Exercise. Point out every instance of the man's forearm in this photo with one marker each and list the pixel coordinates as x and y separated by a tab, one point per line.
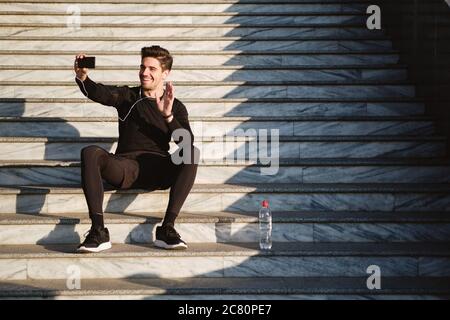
106	95
81	82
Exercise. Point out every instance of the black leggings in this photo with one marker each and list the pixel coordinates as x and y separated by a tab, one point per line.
149	171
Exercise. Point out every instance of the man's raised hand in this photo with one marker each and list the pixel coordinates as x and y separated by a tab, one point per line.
165	104
81	73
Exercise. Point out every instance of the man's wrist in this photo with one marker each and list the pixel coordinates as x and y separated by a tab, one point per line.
166	116
82	78
169	118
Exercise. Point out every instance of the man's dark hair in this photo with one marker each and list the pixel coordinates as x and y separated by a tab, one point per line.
159	53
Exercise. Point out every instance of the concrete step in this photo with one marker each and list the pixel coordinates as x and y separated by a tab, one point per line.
237	148
68	173
242	198
219	108
195	44
232	19
230	126
196	58
178	32
231	90
226	227
185	7
205	260
387	73
231	288
235	220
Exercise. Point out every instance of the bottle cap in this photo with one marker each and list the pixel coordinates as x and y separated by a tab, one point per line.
265	204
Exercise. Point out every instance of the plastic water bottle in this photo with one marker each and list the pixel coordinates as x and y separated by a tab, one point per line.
265	226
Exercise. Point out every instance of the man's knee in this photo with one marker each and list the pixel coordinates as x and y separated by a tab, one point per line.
90	154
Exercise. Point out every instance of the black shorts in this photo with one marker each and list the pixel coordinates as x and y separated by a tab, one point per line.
145	171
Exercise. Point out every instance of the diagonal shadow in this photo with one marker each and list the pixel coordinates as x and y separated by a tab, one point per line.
35	200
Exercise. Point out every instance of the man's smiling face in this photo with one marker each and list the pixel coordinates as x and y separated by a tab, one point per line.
151	73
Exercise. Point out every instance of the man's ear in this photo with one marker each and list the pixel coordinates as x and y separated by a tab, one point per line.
165	74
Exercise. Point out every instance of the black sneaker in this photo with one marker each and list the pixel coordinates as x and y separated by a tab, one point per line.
168	238
96	241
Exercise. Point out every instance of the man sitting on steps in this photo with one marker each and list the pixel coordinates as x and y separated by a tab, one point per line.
148	115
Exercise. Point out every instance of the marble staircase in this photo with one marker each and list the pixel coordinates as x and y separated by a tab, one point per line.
363	178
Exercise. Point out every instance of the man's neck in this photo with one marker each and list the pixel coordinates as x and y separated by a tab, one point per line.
152	93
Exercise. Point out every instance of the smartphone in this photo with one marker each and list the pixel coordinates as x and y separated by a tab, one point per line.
87	62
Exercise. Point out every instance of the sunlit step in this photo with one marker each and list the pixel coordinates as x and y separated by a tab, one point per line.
331	73
14	173
205	18
197	44
134	32
229	90
214	58
204	126
16	148
309	227
218	108
206	260
231	288
238	198
184	7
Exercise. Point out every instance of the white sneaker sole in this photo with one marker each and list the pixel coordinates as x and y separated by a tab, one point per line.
104	246
162	244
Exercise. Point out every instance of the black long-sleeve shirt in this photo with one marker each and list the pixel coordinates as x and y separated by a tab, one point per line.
142	127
